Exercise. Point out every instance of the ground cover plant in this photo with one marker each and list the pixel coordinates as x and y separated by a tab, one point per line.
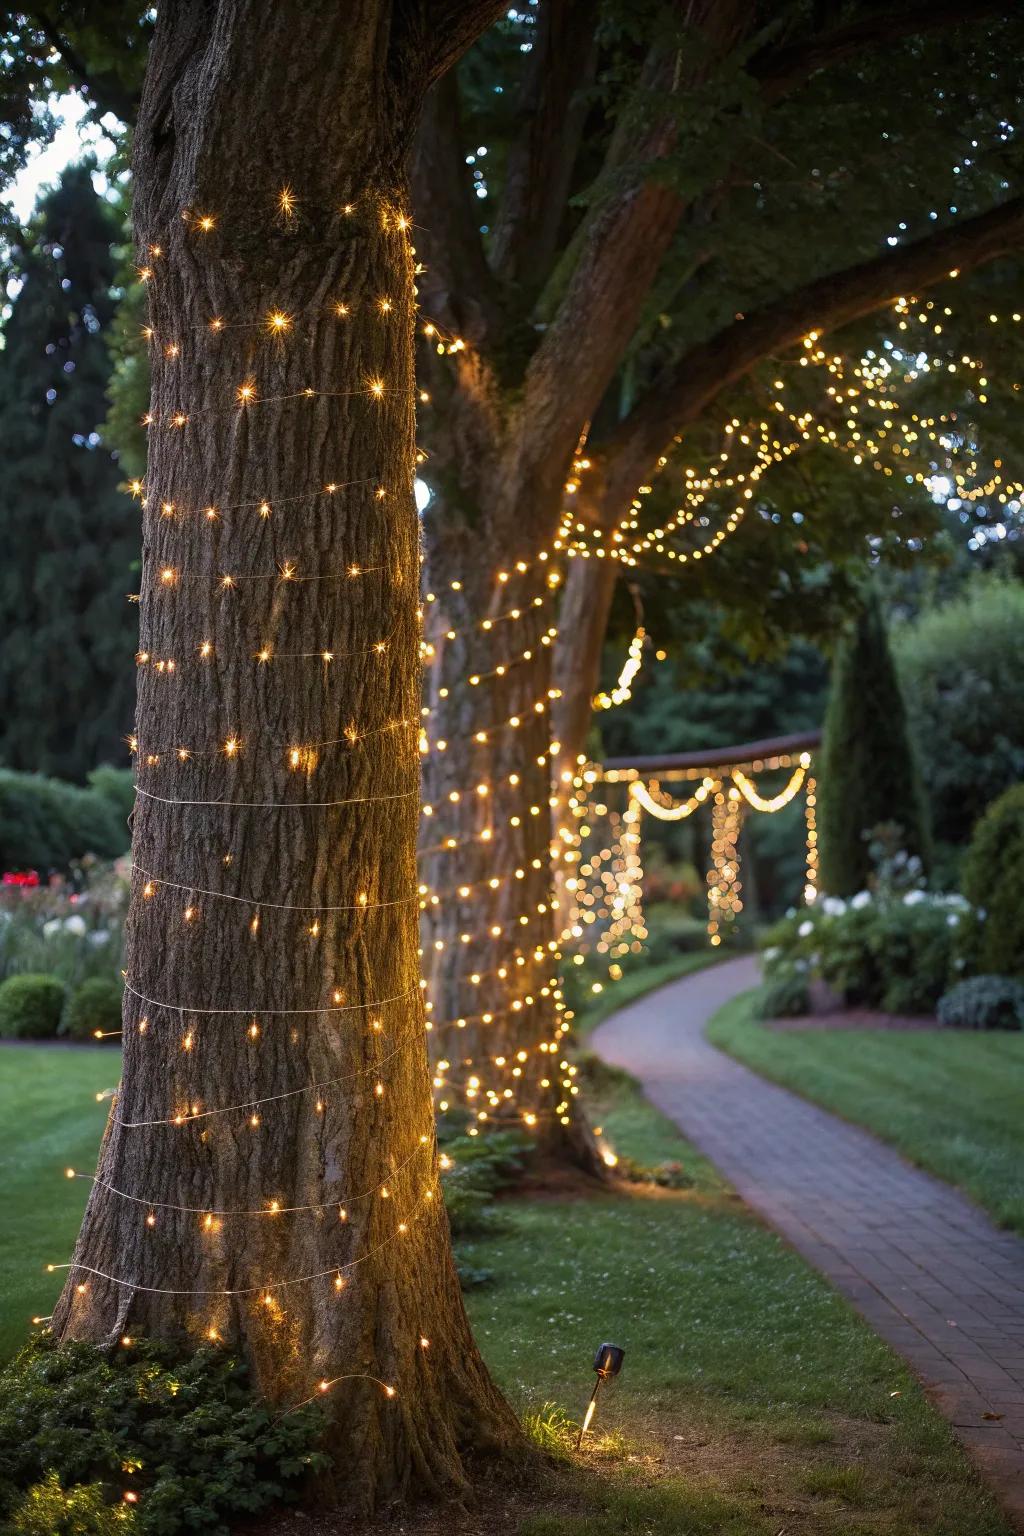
948	1099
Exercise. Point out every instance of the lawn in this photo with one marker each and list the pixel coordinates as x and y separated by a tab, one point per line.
949	1100
752	1398
49	1120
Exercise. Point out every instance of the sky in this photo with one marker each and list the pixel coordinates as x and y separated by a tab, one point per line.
71	142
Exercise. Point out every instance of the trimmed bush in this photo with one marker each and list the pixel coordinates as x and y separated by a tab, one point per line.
47	824
983	1002
188	1435
960	665
993	882
30	1007
116	785
94	1005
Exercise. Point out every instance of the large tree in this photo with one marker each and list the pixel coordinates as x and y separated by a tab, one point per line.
718	188
70	553
664	202
268	1176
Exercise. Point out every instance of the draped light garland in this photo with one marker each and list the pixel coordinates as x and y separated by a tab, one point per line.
600	925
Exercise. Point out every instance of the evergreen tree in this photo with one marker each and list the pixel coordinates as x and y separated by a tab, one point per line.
71	546
869	773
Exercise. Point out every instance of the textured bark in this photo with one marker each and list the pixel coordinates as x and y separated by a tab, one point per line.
491	923
256	976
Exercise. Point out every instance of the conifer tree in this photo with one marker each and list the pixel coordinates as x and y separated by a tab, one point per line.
869	773
71	549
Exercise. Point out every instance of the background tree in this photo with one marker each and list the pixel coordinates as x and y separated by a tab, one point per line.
268	1174
71	550
869	772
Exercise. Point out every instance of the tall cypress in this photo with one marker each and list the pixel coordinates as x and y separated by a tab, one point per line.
71	544
869	773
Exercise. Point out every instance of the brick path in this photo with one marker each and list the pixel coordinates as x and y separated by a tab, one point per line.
925	1267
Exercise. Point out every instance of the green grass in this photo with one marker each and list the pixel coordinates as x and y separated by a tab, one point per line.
950	1100
752	1398
49	1120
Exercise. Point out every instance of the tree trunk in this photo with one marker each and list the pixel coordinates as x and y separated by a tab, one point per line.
491	923
268	1177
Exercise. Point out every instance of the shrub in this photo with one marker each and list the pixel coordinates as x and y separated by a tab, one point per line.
30	1006
983	1002
960	665
116	785
46	824
83	1510
95	1005
475	1169
890	950
784	996
993	882
201	1447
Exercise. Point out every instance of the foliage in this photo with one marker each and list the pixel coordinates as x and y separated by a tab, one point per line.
868	770
993	881
784	995
71	545
983	1002
960	666
47	824
94	1006
188	1435
884	949
116	785
474	1170
47	1509
30	1006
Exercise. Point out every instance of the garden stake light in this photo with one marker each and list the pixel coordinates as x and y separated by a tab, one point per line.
607	1362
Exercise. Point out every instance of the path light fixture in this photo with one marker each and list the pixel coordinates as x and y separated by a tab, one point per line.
607	1362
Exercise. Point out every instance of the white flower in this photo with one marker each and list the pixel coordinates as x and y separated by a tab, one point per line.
953	919
772	953
806	928
74	924
99	936
862	899
51	927
914	898
833	906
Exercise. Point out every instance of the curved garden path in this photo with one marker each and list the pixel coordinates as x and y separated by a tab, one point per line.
927	1269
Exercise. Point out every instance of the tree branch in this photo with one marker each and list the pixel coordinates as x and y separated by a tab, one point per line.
779	69
627	237
541	158
452	26
680	392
